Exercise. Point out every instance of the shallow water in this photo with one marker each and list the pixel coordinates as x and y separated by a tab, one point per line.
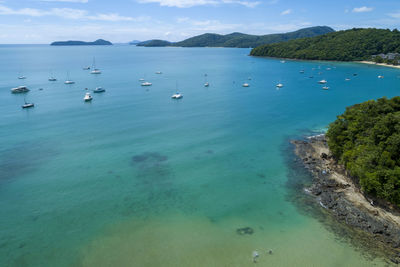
135	178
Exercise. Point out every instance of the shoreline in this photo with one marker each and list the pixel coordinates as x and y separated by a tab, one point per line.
377	64
335	192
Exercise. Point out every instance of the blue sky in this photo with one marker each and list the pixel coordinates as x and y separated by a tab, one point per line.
43	21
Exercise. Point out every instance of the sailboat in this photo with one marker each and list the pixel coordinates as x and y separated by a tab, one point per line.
68	81
27	105
21	77
95	71
177	95
52	78
206	84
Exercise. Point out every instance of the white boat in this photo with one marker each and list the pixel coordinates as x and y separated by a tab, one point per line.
28	105
347	79
177	96
279	85
19	89
141	80
302	71
246	85
87	97
68	80
99	90
158	72
146	84
325	88
95	71
322	81
206	84
283	61
380	77
22	77
52	79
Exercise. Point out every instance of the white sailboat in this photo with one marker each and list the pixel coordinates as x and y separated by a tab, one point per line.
68	80
52	78
95	70
279	85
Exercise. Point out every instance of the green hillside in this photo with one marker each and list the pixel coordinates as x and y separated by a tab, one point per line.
349	45
240	39
366	139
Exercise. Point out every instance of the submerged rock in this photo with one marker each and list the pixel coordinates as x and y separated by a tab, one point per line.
245	231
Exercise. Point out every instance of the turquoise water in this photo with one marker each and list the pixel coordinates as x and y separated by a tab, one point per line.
136	179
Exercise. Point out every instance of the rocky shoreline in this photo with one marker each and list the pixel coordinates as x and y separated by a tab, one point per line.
334	190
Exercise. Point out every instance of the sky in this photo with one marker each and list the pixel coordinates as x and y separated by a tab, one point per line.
44	21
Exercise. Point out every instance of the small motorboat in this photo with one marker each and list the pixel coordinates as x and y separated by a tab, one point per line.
322	82
28	105
19	89
302	71
347	79
52	79
177	96
380	77
158	72
325	88
146	84
87	97
246	85
22	77
99	90
69	82
206	84
141	80
279	85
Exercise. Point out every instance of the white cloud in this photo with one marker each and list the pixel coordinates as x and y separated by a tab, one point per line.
362	9
191	3
286	12
67	13
395	15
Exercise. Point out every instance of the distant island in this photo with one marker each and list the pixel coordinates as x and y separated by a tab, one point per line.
135	42
348	45
97	42
239	40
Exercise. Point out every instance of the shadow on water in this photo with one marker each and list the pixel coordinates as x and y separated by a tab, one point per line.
154	180
23	158
299	178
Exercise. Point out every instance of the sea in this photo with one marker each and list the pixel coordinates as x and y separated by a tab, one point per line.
135	178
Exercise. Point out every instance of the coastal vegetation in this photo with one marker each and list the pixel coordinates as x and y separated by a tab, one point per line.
97	42
349	45
366	140
240	40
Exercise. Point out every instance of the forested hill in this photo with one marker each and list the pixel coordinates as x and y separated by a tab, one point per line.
97	42
348	45
366	139
243	40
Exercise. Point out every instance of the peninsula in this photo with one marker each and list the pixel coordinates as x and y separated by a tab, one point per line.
349	45
356	170
67	43
240	40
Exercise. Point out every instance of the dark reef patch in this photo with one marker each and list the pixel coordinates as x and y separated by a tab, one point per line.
245	231
154	157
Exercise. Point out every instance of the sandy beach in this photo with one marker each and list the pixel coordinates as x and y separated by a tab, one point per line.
378	64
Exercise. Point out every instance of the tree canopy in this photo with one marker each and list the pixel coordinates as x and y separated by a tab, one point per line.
348	45
366	139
